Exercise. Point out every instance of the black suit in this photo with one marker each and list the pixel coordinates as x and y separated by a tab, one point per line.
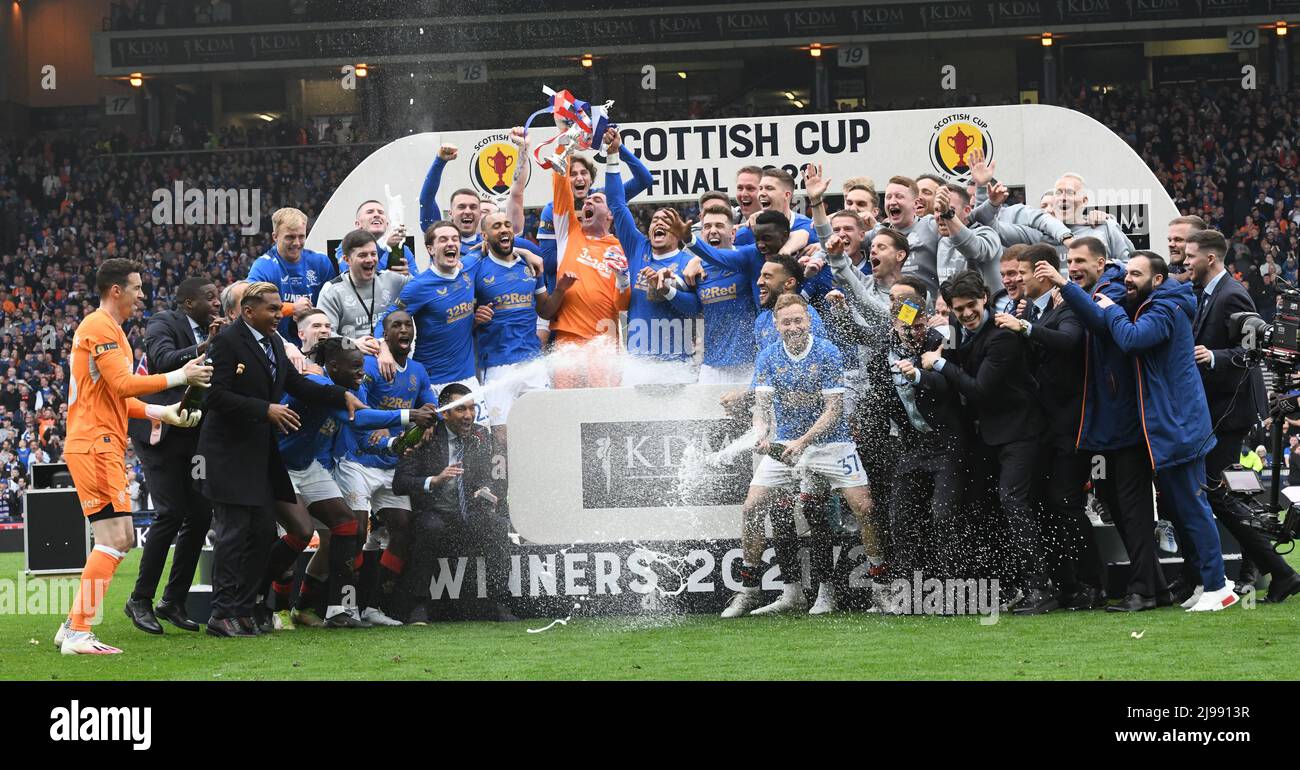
930	535
991	370
182	512
1056	350
243	471
439	527
1231	389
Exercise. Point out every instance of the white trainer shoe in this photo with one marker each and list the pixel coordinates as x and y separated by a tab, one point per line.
85	643
1213	601
825	600
743	602
63	632
1194	598
376	616
792	600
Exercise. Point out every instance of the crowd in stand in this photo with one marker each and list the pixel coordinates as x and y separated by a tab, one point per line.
67	202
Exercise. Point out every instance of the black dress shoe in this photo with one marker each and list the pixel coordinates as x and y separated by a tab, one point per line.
1133	603
249	625
142	616
262	618
1037	601
1166	599
1086	597
175	614
1279	590
1247	577
1182	590
345	620
226	627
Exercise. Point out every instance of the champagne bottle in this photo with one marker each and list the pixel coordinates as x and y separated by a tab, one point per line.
409	438
193	397
396	257
774	450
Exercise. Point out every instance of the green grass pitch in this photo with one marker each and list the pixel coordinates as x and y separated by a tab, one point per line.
1238	643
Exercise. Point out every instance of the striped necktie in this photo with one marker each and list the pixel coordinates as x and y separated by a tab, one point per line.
270	353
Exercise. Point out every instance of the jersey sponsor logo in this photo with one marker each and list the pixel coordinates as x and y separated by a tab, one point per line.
718	293
952	141
441	292
512	300
107	346
489	279
457	312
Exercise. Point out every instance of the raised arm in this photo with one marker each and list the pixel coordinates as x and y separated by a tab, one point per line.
641	178
625	229
429	209
523	170
1151	328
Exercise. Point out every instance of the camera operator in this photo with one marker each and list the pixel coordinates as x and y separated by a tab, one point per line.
1230	391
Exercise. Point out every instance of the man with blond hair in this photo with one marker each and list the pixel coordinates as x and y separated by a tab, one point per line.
296	271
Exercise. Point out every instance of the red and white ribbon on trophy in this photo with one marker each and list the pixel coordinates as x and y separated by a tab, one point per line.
580	123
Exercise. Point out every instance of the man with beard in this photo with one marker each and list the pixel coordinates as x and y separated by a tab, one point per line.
660	319
775	193
1109	424
511	296
353	300
441	300
373	220
1155	326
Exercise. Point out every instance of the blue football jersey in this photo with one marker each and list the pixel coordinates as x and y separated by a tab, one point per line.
799	386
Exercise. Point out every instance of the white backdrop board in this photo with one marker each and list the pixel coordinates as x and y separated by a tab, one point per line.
614	464
1031	145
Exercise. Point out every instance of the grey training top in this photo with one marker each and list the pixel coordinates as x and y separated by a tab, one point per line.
353	309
